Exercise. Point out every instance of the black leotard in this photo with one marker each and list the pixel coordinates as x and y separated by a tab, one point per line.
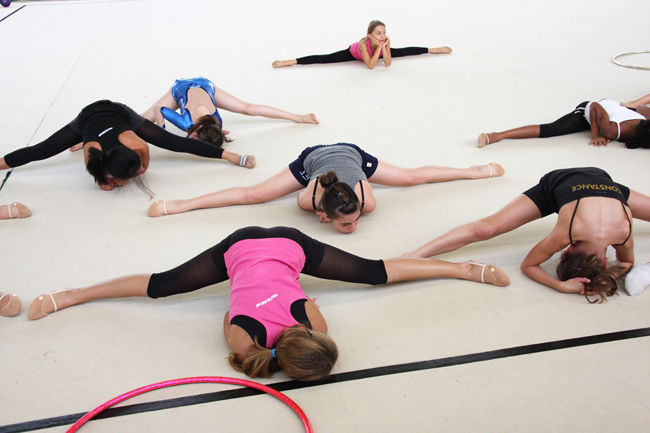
103	121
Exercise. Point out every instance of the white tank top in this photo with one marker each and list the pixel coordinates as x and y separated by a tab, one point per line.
616	112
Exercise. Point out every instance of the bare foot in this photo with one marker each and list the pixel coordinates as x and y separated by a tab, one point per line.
487	274
440	50
76	147
284	63
308	118
14	210
42	306
9	305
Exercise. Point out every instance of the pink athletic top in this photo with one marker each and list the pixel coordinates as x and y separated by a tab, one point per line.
264	281
356	51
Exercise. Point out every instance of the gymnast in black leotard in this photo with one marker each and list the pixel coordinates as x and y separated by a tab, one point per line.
271	325
115	144
594	212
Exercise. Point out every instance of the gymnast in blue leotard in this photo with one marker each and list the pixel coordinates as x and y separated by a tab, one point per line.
198	101
179	92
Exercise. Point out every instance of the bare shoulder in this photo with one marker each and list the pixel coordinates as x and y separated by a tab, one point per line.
239	341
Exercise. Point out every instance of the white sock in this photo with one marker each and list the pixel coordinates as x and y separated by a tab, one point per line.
638	279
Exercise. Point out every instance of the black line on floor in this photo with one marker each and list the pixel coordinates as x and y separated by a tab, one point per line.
335	378
4	18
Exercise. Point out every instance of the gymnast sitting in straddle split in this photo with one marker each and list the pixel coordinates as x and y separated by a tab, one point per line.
271	325
115	144
198	101
333	178
13	211
594	212
372	47
606	119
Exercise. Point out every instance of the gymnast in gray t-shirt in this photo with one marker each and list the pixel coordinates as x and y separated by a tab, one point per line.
335	182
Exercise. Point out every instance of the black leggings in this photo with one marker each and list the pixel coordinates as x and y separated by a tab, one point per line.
321	260
567	124
346	56
68	136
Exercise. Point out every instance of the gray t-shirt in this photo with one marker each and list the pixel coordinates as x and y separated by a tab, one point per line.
344	160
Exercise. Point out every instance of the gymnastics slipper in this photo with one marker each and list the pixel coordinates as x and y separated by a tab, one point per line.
12	307
638	279
496	275
17	210
37	309
156	211
483	140
495	169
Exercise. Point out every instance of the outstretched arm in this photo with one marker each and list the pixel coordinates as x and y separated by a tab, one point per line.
166	140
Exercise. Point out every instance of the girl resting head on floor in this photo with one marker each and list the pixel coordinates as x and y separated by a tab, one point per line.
198	101
271	324
334	182
115	145
594	213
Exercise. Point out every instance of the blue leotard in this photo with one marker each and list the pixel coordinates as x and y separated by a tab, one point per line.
183	120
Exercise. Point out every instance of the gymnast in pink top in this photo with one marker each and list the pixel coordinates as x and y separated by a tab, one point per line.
369	49
271	325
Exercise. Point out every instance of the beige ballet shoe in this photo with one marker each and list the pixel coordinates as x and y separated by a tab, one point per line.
483	140
17	210
77	147
442	50
490	274
282	63
495	170
12	307
37	309
155	210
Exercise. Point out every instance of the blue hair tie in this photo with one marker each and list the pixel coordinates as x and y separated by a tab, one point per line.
273	353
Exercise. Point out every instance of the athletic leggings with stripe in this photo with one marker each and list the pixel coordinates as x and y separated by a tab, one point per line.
321	260
567	124
346	56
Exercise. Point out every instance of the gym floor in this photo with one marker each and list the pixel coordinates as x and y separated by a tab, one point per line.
422	356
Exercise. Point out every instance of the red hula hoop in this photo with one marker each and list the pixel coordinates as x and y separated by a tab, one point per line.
201	379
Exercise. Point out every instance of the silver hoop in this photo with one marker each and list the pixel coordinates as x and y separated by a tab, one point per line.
644	68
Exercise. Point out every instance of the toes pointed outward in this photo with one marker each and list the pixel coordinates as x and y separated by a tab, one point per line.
14	210
283	63
483	140
496	170
157	209
42	306
488	274
9	305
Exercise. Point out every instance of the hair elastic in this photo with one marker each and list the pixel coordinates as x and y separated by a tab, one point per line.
243	160
273	353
